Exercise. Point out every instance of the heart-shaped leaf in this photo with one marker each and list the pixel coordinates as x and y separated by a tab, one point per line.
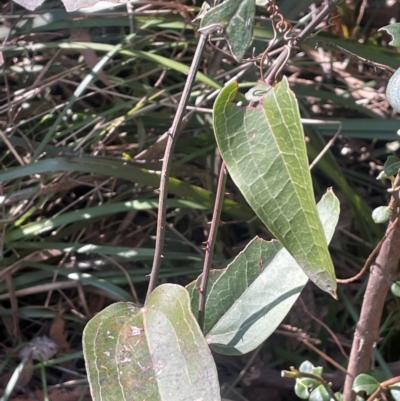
236	19
249	299
264	150
152	353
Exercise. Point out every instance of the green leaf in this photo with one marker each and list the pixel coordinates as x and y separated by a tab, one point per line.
364	382
381	214
395	289
321	393
249	299
310	383
301	390
236	18
264	150
152	353
394	31
339	396
391	166
308	367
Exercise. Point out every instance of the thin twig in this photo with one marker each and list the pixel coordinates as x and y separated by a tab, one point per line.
390	382
212	236
370	257
243	371
127	276
11	148
326	327
383	386
323	355
326	148
167	161
360	59
374	395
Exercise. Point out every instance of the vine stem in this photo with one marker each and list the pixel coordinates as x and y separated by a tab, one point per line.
383	386
370	257
212	236
167	161
382	275
284	56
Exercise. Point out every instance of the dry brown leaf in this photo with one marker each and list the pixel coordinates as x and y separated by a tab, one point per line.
57	333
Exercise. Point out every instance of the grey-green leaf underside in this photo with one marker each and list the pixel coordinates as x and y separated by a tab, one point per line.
249	299
264	150
156	353
236	19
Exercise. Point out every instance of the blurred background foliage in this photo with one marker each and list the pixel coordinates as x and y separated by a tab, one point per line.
80	162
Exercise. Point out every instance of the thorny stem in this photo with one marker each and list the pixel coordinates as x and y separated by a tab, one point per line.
167	161
270	77
212	236
382	275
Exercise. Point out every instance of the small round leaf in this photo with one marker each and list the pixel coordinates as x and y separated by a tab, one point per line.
308	382
395	288
321	393
301	390
364	382
339	396
306	367
381	214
